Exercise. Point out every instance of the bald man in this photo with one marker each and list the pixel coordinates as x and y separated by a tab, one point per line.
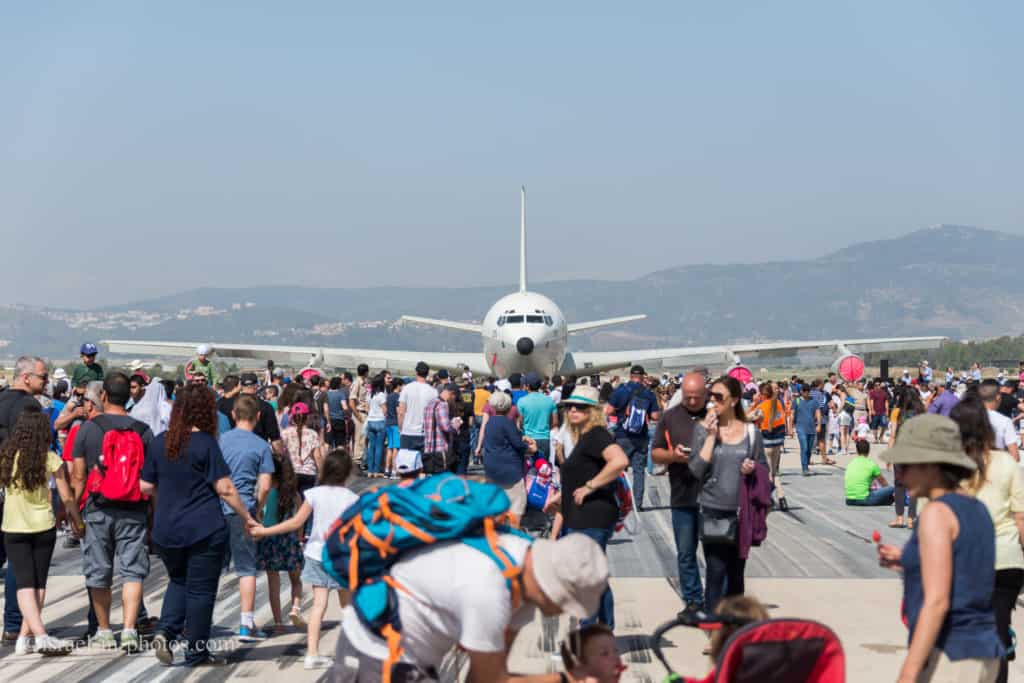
673	441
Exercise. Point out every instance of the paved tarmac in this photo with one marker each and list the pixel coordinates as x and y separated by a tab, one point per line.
818	562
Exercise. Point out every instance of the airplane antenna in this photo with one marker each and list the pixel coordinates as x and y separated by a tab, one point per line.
522	241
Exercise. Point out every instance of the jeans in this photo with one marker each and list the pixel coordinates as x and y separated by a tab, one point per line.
806	448
193	574
474	432
724	573
606	612
12	615
636	450
375	432
462	450
686	526
881	496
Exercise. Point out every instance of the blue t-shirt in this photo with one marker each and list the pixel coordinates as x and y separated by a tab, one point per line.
223	423
536	409
518	394
337	402
187	506
803	415
391	416
620	400
504	451
247	456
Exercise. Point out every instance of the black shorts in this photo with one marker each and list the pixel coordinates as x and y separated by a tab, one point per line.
28	556
411	443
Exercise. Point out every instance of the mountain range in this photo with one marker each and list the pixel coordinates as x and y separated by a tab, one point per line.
949	280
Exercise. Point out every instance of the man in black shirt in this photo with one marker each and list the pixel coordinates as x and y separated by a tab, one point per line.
266	426
672	445
226	403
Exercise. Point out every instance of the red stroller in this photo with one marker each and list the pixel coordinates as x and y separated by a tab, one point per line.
772	651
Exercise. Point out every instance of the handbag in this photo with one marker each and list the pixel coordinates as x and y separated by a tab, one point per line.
719	528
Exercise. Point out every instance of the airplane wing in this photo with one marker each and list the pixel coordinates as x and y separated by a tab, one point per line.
449	324
594	324
396	361
585	362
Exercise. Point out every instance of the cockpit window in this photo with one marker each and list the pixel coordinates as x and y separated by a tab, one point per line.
501	321
548	321
538	319
513	319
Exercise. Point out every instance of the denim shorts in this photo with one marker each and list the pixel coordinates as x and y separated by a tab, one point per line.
394	437
314	574
243	548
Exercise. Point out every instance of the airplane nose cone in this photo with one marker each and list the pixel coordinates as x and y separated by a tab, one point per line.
524	346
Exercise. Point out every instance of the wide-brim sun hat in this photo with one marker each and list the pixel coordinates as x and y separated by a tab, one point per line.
572	572
583	396
929	440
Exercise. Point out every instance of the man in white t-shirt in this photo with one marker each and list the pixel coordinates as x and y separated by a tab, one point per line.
411	403
1006	435
455	595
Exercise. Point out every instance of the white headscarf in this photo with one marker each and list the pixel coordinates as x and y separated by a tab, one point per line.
150	408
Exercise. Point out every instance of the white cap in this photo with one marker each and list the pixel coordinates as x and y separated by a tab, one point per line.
203	350
572	572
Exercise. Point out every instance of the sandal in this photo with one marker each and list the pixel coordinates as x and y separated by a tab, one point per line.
897	525
910	524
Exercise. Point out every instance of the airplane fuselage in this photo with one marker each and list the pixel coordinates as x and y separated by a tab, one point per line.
524	332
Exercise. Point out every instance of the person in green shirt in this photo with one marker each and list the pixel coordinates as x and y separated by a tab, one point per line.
201	366
89	370
860	473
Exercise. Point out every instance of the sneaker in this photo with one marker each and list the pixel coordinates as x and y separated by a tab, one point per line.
317	662
130	641
104	640
147	625
211	660
23	645
250	634
162	649
48	646
693	614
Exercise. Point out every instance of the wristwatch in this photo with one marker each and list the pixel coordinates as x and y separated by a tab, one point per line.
587	485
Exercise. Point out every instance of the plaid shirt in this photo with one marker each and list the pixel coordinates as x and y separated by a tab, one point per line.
437	428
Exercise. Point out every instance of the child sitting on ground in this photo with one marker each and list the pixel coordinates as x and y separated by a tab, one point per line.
590	653
738	607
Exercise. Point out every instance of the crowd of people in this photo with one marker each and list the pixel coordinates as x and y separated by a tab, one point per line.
251	470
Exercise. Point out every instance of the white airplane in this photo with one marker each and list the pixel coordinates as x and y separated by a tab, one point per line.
527	332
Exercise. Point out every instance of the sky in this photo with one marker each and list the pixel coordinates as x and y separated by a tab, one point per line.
149	148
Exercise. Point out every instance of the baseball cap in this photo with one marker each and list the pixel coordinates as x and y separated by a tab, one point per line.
532	380
299	409
407	461
88	349
572	572
442	374
203	350
929	439
141	375
59	374
637	370
248	379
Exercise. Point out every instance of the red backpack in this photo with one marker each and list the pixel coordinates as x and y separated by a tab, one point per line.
116	477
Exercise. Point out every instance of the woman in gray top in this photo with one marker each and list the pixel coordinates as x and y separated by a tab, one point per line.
726	449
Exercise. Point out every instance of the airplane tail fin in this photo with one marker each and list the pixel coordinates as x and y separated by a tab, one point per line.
522	240
594	324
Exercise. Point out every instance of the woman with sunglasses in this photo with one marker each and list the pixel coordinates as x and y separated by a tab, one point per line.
587	500
727	449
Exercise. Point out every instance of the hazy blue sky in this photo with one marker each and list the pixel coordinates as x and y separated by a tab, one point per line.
152	147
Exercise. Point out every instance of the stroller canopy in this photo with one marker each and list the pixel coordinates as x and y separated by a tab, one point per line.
782	651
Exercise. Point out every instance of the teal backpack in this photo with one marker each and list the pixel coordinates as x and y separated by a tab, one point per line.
385	523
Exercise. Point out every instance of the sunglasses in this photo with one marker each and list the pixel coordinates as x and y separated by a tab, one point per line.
718	397
43	377
577	408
